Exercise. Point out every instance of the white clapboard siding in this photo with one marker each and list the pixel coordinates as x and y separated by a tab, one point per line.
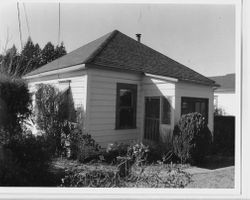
77	85
102	105
156	87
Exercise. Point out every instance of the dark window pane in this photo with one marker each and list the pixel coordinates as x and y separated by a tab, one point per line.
189	105
126	118
166	111
153	108
203	109
126	106
125	97
197	107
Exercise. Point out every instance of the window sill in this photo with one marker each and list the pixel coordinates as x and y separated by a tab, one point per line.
125	128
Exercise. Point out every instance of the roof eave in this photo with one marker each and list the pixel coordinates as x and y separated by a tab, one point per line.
57	71
166	78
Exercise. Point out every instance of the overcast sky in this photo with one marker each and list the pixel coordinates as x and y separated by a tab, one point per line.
201	37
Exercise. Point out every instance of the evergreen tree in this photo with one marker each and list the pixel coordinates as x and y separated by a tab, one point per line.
30	58
10	61
60	51
48	53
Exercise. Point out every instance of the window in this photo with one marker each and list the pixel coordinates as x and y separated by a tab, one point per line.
126	99
166	111
189	105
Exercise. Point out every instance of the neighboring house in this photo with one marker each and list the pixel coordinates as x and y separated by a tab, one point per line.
224	96
127	90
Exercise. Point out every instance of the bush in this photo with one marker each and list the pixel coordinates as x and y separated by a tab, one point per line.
15	105
25	161
149	176
54	115
139	153
82	146
114	150
160	152
92	176
192	138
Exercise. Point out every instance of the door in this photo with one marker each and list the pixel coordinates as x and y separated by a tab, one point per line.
152	118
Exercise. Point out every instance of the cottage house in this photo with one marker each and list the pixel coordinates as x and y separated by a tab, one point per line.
127	90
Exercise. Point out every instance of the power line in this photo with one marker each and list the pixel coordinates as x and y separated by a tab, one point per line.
26	18
19	24
59	24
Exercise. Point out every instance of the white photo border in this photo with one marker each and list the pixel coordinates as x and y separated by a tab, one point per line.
241	138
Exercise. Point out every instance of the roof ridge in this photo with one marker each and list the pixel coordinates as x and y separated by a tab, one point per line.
176	62
101	47
157	52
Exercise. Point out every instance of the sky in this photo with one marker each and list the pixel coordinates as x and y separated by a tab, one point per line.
202	37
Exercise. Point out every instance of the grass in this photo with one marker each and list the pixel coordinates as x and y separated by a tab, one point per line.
216	172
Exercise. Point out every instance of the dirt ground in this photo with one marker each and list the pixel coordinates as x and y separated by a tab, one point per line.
218	178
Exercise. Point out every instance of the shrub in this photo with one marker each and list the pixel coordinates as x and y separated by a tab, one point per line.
192	138
160	152
92	176
82	146
149	176
158	176
25	161
54	115
139	153
15	105
114	150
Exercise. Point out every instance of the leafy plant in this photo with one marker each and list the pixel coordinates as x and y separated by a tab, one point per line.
15	105
92	176
147	176
192	138
25	161
82	146
53	116
139	153
158	176
114	150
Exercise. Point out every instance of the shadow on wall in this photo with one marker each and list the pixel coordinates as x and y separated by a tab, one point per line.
67	106
159	112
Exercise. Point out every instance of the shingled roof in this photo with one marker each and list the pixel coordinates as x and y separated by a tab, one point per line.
118	51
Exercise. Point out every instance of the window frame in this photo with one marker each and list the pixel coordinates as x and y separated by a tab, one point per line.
169	99
133	88
194	100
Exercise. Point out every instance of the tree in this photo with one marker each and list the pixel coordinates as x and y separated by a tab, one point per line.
31	57
10	61
48	53
60	51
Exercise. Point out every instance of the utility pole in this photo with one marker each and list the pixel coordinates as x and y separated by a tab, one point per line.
19	24
26	18
59	24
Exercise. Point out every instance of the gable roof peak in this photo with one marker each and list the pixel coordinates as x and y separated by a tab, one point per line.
118	51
